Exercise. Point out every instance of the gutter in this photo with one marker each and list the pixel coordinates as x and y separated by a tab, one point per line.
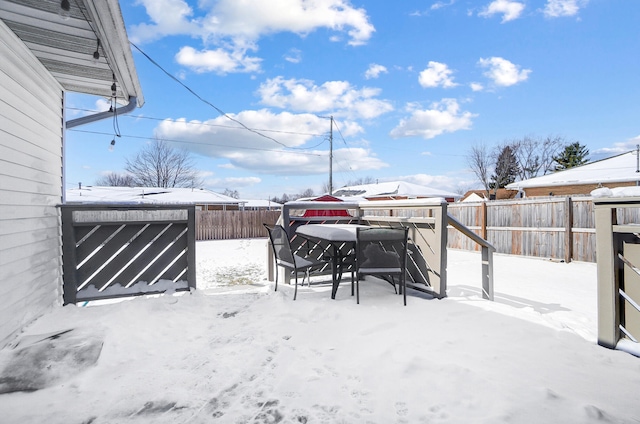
103	115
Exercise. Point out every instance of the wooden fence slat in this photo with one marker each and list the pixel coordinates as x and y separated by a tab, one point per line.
560	228
224	225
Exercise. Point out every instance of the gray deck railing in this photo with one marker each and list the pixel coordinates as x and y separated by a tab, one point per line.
426	219
487	256
618	258
114	251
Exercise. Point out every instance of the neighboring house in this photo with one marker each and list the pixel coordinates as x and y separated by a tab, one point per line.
393	190
262	205
43	55
481	195
617	171
203	199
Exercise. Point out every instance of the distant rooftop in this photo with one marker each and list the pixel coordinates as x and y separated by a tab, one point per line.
136	195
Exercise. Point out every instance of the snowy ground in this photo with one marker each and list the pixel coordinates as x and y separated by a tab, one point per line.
235	351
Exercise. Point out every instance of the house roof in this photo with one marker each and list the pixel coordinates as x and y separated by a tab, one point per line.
500	194
616	169
262	203
134	195
65	44
392	188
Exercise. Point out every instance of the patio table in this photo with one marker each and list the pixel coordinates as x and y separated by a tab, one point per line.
336	235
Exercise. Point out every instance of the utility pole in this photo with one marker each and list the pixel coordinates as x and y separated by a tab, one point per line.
331	156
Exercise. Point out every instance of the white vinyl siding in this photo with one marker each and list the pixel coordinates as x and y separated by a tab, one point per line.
31	113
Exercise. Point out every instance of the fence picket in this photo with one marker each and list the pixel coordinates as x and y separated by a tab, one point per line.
224	225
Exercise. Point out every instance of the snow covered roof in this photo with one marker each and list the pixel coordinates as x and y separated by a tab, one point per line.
392	188
473	197
190	196
616	169
261	203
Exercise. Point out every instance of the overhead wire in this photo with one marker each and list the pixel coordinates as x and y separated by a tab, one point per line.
129	115
220	111
195	142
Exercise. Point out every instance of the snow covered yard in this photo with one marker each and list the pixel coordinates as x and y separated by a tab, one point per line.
235	351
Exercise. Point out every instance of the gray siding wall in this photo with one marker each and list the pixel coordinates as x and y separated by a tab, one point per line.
31	134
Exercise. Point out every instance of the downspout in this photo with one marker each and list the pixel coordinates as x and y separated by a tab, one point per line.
103	115
87	120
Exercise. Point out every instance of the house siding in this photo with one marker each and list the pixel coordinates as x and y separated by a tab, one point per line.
31	159
571	189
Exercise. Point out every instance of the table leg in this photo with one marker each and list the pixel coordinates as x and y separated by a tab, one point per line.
335	272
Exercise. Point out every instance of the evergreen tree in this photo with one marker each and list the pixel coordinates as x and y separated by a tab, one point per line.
506	168
574	154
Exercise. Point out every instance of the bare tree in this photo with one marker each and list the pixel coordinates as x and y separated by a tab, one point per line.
535	155
361	181
160	165
480	161
114	179
551	146
307	193
231	193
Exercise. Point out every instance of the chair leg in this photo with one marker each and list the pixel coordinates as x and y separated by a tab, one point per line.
403	282
357	289
352	283
277	272
295	291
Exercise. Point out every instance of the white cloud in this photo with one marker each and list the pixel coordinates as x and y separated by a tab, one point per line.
248	20
502	72
440	4
558	8
436	75
293	56
444	116
616	149
509	10
168	17
450	183
337	97
375	70
219	61
234	182
225	139
476	86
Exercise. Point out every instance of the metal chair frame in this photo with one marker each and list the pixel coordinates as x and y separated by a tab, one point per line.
287	258
382	252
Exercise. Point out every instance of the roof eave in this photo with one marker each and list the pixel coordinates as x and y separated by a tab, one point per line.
109	25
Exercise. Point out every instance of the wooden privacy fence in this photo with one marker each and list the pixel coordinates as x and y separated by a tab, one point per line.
220	225
120	251
560	228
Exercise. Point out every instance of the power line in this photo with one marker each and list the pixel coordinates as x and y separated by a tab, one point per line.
206	124
220	111
196	142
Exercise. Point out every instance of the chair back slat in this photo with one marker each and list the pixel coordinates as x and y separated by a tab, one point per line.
280	243
380	250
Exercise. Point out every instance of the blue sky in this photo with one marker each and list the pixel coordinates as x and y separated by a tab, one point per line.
412	86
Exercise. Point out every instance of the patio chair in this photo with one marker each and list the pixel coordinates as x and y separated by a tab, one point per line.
382	252
287	258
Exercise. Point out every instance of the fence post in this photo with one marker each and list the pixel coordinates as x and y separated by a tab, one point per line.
608	305
483	231
568	229
191	247
69	263
487	273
